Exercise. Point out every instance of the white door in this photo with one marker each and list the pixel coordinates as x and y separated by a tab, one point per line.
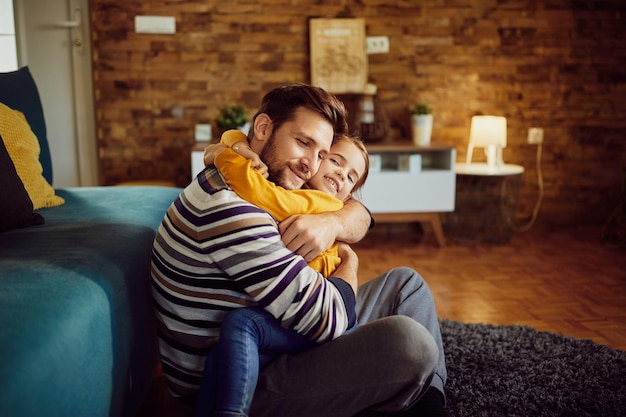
53	39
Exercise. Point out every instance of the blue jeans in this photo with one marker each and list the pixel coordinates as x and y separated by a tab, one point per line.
250	338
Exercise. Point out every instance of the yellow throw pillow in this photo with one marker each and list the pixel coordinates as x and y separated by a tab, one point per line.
23	148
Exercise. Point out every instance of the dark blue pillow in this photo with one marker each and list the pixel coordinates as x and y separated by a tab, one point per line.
16	208
19	92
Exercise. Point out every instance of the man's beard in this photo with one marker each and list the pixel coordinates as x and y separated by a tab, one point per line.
277	170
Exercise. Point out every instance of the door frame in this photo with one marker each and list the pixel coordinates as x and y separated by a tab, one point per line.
81	109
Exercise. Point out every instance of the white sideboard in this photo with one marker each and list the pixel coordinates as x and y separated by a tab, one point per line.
409	183
394	185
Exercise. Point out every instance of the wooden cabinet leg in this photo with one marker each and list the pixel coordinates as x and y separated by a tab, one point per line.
435	221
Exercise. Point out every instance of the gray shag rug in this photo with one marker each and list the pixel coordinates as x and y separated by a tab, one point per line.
517	371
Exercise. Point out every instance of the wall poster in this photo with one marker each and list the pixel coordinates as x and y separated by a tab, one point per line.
338	56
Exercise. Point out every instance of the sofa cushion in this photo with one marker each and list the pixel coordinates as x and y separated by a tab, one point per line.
19	91
24	150
17	209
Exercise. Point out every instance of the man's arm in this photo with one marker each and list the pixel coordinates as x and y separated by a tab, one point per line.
309	234
283	284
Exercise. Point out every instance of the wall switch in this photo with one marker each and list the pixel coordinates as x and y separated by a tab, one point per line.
155	24
203	132
535	135
377	44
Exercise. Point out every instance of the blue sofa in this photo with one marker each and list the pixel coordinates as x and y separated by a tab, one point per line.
77	333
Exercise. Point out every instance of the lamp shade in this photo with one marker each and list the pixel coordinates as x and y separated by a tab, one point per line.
488	130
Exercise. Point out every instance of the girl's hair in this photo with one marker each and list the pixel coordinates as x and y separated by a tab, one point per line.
356	141
281	103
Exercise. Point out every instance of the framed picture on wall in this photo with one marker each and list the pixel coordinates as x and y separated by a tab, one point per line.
338	56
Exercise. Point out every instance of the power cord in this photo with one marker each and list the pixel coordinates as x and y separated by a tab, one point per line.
527	226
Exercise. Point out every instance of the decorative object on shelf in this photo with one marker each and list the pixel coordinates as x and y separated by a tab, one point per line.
488	132
233	117
370	121
339	61
421	124
410	163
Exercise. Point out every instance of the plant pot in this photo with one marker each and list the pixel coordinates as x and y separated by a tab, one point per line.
422	127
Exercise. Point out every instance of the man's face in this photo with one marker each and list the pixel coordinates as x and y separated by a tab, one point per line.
294	151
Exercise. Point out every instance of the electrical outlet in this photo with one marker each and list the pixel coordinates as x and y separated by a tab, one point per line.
535	136
377	44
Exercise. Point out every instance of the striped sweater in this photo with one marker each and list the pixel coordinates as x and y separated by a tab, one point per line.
215	252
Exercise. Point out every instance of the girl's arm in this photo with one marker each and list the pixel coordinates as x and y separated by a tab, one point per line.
251	185
236	140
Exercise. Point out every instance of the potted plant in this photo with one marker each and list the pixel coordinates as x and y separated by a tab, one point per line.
232	117
421	123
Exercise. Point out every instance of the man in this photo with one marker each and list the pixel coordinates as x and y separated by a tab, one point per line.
215	251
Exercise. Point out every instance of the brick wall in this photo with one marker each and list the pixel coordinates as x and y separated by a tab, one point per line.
555	64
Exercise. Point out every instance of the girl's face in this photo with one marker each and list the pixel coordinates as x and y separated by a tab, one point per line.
340	170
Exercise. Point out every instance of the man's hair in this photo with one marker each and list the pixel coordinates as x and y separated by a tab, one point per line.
281	103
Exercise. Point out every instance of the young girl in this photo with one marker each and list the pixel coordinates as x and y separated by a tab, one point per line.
251	337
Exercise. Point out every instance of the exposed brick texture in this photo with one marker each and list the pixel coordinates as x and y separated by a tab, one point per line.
557	64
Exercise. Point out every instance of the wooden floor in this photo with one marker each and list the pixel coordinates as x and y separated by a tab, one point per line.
566	281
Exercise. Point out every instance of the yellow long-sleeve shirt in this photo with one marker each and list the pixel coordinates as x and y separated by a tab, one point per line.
279	202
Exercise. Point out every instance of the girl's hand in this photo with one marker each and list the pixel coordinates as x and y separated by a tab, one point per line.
243	149
211	151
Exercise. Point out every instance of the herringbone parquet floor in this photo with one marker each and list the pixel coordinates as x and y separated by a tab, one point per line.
565	281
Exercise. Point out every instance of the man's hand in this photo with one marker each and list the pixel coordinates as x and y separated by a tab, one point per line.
349	267
308	235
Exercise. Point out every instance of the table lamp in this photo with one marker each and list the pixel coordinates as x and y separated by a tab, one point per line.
488	132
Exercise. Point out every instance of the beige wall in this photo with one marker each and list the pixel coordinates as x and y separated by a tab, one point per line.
556	67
